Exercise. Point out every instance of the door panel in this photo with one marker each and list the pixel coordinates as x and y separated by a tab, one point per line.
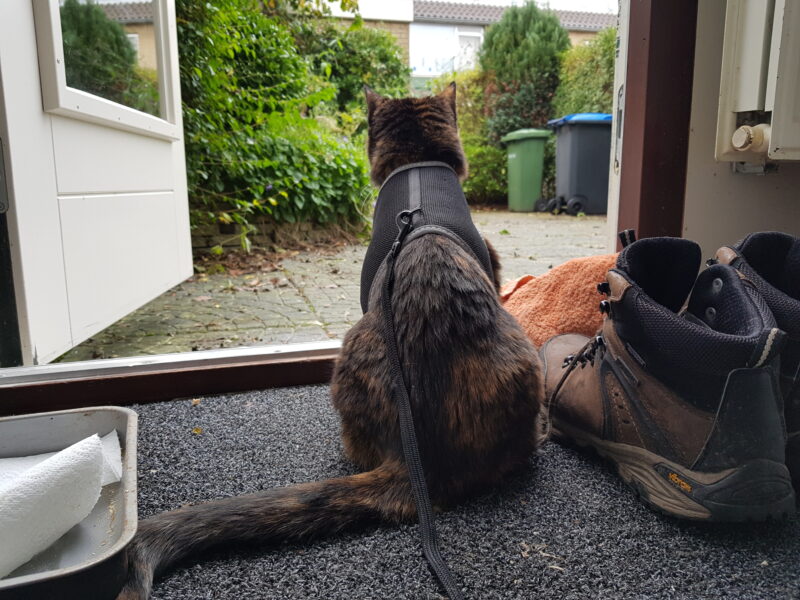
108	159
117	255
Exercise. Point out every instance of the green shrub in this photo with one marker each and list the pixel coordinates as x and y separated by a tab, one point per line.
99	59
521	58
488	172
587	76
350	57
252	146
294	170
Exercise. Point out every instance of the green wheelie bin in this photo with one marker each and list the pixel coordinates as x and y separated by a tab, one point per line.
525	166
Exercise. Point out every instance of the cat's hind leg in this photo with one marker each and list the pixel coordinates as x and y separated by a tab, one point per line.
361	392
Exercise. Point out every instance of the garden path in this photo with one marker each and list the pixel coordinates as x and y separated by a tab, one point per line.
314	295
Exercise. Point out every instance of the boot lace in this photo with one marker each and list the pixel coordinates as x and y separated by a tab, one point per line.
594	348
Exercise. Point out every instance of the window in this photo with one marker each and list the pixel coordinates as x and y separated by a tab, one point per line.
133	38
71	87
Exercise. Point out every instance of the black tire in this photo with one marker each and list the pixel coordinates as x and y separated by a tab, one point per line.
576	205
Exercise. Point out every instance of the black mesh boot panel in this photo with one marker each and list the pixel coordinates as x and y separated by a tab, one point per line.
725	327
771	260
772	263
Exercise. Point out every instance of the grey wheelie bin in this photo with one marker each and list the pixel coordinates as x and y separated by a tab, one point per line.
583	145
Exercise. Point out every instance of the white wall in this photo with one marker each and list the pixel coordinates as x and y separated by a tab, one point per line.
432	49
721	207
379	10
438	48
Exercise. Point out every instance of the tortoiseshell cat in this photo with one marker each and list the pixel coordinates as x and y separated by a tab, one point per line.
474	378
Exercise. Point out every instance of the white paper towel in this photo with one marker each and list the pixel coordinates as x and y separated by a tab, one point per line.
41	504
11	468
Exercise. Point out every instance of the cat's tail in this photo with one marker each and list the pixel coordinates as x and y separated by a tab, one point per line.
300	512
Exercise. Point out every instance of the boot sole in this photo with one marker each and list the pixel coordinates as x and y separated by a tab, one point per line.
756	491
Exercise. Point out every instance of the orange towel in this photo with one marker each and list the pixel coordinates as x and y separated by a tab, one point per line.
563	300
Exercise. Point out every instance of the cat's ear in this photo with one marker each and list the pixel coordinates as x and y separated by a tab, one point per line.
449	95
373	98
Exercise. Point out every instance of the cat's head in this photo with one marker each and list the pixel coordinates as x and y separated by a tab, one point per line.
409	130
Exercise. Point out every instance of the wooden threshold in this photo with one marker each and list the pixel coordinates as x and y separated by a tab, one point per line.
140	380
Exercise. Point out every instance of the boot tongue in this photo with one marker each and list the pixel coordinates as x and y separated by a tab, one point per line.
721	301
665	268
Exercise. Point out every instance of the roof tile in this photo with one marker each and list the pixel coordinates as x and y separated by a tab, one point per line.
129	12
481	14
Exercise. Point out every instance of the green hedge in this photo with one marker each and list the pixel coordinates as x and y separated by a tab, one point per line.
354	56
587	76
521	57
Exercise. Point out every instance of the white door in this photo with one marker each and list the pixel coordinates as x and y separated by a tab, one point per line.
97	207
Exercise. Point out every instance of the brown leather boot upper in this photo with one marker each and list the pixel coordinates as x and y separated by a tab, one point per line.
614	389
611	396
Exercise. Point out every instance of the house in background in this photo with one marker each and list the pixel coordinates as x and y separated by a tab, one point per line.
441	37
436	37
136	19
446	36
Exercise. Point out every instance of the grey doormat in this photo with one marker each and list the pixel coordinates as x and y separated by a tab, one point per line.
568	528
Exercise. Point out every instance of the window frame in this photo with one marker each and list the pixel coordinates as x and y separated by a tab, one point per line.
60	99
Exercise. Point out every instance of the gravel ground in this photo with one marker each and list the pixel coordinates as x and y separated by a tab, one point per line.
567	528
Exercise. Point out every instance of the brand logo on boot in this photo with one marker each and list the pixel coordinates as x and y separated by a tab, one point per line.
679	483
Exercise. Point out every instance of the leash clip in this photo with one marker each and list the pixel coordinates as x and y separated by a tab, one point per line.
404	225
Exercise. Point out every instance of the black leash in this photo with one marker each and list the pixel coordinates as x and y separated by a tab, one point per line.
427	526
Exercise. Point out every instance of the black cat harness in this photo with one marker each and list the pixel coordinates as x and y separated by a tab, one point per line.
415	200
431	194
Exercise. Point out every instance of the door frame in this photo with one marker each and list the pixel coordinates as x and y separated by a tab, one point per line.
658	103
145	379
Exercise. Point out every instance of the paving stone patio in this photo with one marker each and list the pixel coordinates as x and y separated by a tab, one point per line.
315	296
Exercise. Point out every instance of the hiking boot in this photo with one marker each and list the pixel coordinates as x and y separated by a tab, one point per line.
771	262
679	387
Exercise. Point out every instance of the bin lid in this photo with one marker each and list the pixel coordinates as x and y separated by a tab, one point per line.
595	118
522	134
